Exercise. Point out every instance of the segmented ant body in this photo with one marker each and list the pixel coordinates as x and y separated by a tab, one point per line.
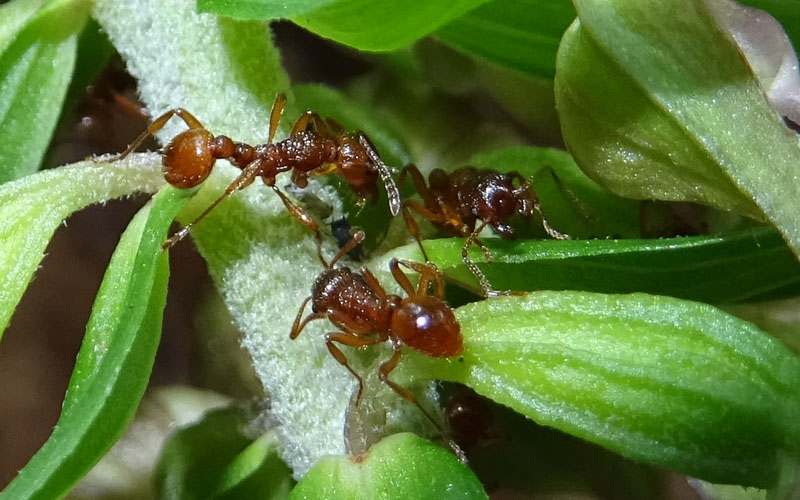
456	202
315	146
365	314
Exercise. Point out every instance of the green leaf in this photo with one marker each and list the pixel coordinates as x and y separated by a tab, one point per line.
31	209
521	35
374	217
14	15
399	466
216	457
115	360
732	267
661	380
260	9
653	115
36	65
257	473
382	26
572	203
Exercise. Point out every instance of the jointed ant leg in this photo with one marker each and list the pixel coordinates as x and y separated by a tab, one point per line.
383	373
413	228
338	355
304	218
411	224
439	289
244	179
419	184
158	124
488	291
373	283
401	278
310	120
428	273
527	188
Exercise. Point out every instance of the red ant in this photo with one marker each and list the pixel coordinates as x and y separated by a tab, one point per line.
315	146
456	201
366	315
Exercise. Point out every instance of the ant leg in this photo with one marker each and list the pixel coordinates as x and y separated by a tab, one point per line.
428	272
351	341
383	171
439	278
298	326
411	224
310	120
401	278
413	228
527	190
383	373
244	179
305	219
158	124
275	115
373	283
357	238
488	291
419	184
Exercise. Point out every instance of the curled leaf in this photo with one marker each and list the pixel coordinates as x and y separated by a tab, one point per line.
653	115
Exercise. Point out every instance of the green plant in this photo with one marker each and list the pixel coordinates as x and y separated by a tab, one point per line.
655	100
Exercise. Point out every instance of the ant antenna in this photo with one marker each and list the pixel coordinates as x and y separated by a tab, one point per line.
384	172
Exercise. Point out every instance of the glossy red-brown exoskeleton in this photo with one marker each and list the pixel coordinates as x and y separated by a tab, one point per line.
315	146
365	315
457	201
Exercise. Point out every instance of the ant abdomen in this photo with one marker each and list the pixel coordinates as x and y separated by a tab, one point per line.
428	325
188	159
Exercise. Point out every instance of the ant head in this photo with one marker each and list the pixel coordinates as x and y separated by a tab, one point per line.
188	158
428	325
498	199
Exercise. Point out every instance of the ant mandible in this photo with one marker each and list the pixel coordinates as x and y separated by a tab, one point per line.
315	146
366	315
456	201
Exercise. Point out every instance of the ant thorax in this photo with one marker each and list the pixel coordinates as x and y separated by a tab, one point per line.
349	302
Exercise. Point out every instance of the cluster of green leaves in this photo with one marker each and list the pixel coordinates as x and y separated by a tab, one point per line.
652	106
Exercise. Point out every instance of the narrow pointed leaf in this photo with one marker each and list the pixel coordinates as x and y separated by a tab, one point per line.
115	360
36	65
665	381
31	209
725	268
